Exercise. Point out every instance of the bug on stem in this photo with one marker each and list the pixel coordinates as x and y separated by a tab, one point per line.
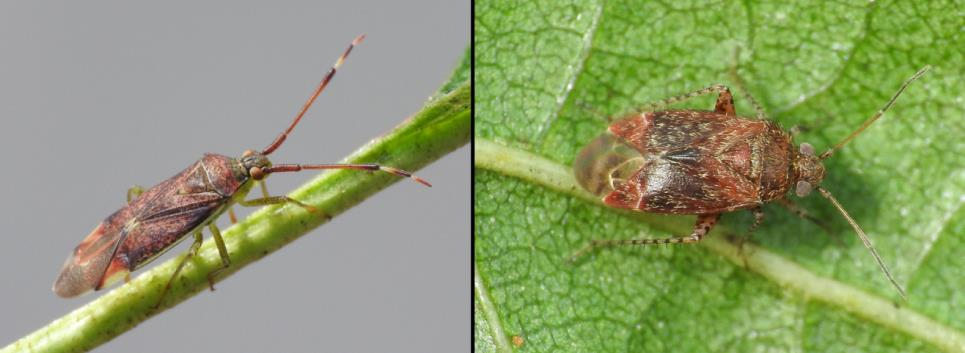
705	163
156	219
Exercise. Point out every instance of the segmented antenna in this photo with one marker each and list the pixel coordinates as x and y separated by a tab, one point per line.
877	115
281	168
864	239
321	87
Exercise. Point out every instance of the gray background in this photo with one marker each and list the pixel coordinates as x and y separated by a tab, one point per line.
96	96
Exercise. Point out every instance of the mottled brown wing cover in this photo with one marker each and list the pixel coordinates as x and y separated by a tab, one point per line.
149	225
686	162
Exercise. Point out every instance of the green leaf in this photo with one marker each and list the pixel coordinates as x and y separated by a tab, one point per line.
548	76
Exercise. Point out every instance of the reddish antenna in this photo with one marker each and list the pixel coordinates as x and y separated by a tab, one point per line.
827	194
877	115
321	87
282	168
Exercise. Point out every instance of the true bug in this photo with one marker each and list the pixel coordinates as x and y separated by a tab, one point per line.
158	218
704	163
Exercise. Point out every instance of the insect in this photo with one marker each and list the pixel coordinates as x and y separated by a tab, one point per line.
156	219
705	163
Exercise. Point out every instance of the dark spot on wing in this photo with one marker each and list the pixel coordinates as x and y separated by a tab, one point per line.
688	155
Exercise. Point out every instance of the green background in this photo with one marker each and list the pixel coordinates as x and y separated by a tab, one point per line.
547	75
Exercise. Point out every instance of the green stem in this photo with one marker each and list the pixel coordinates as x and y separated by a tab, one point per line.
439	128
540	171
488	309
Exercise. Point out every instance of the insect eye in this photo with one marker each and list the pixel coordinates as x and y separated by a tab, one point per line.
803	188
807	149
247	153
256	173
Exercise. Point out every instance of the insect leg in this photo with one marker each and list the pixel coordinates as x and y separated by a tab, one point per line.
274	200
739	83
134	192
740	240
222	250
231	210
198	238
797	129
758	219
701	228
803	214
725	103
589	108
264	189
761	115
720	89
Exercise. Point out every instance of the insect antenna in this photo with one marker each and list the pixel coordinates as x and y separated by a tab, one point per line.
877	115
280	168
864	238
321	87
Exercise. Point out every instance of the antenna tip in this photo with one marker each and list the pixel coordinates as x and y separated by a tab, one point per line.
920	72
358	39
403	173
421	181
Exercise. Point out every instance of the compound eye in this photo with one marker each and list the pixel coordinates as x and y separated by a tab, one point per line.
248	153
807	149
803	188
256	173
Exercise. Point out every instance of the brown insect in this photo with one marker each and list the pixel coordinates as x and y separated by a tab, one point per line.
705	163
155	220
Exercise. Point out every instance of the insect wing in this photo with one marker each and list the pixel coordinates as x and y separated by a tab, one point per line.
666	186
140	231
605	164
94	262
171	210
85	267
679	162
156	233
654	133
